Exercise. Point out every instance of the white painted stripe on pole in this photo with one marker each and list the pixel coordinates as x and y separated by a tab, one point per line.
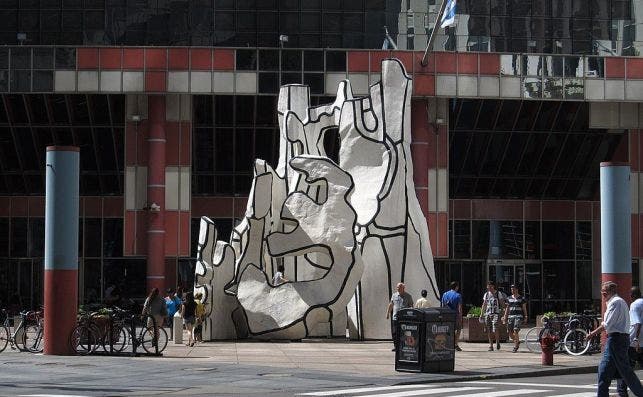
426	392
514	392
361	390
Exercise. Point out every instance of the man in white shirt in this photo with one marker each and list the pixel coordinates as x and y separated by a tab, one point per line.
399	300
616	323
636	315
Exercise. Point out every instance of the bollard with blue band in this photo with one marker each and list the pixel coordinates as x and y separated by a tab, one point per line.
61	247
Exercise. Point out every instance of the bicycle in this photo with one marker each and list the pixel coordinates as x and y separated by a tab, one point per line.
117	337
85	336
152	342
575	341
26	337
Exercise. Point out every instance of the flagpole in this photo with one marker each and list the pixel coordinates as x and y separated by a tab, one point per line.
425	60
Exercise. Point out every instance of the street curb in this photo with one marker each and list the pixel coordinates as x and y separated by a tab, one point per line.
532	374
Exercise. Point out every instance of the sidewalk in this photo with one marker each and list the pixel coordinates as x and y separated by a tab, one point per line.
377	359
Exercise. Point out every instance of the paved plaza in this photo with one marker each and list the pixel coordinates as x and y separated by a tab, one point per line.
259	368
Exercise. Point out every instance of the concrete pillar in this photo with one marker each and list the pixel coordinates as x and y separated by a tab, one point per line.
616	243
61	247
156	193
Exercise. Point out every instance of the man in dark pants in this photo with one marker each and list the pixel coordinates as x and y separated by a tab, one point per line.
634	353
399	300
616	324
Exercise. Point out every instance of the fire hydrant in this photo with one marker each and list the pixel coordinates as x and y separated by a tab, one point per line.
547	345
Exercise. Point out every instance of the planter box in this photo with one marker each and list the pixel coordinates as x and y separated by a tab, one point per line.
473	331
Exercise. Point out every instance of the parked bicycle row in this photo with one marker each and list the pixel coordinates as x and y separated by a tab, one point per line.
117	331
23	334
569	334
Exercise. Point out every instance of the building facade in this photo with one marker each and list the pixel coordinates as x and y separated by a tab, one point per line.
171	101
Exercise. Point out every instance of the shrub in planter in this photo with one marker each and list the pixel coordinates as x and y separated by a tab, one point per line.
474	331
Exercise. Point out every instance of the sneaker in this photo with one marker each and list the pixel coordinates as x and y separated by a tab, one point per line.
515	349
498	346
491	348
457	348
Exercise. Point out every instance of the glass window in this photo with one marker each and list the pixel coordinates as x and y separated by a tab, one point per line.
557	240
461	239
65	58
37	237
244	109
92	281
92	235
584	240
532	240
246	59
19	237
4	238
268	83
558	280
316	82
127	274
266	110
584	280
480	239
336	61
291	60
474	278
268	60
43	81
113	237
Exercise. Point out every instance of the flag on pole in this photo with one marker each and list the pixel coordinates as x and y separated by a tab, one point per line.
448	17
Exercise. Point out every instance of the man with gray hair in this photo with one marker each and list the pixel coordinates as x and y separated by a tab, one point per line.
616	324
399	300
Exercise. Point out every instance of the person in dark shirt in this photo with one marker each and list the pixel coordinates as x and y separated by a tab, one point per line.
188	313
515	315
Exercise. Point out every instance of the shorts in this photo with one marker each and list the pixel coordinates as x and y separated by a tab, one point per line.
189	320
491	321
514	323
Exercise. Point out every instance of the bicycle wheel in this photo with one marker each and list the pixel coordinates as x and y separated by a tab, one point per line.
531	340
118	339
575	342
83	339
148	342
34	338
4	337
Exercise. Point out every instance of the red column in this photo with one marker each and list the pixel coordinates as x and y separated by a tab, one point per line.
156	193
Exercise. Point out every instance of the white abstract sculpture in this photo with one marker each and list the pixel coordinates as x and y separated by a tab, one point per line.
346	233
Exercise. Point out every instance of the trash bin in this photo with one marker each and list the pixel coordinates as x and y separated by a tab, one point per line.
426	340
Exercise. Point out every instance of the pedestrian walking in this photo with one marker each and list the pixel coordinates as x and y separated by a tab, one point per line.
188	313
493	302
615	361
155	307
453	300
200	317
515	315
399	300
634	351
422	303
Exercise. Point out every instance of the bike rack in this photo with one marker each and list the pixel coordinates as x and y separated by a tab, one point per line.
130	326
